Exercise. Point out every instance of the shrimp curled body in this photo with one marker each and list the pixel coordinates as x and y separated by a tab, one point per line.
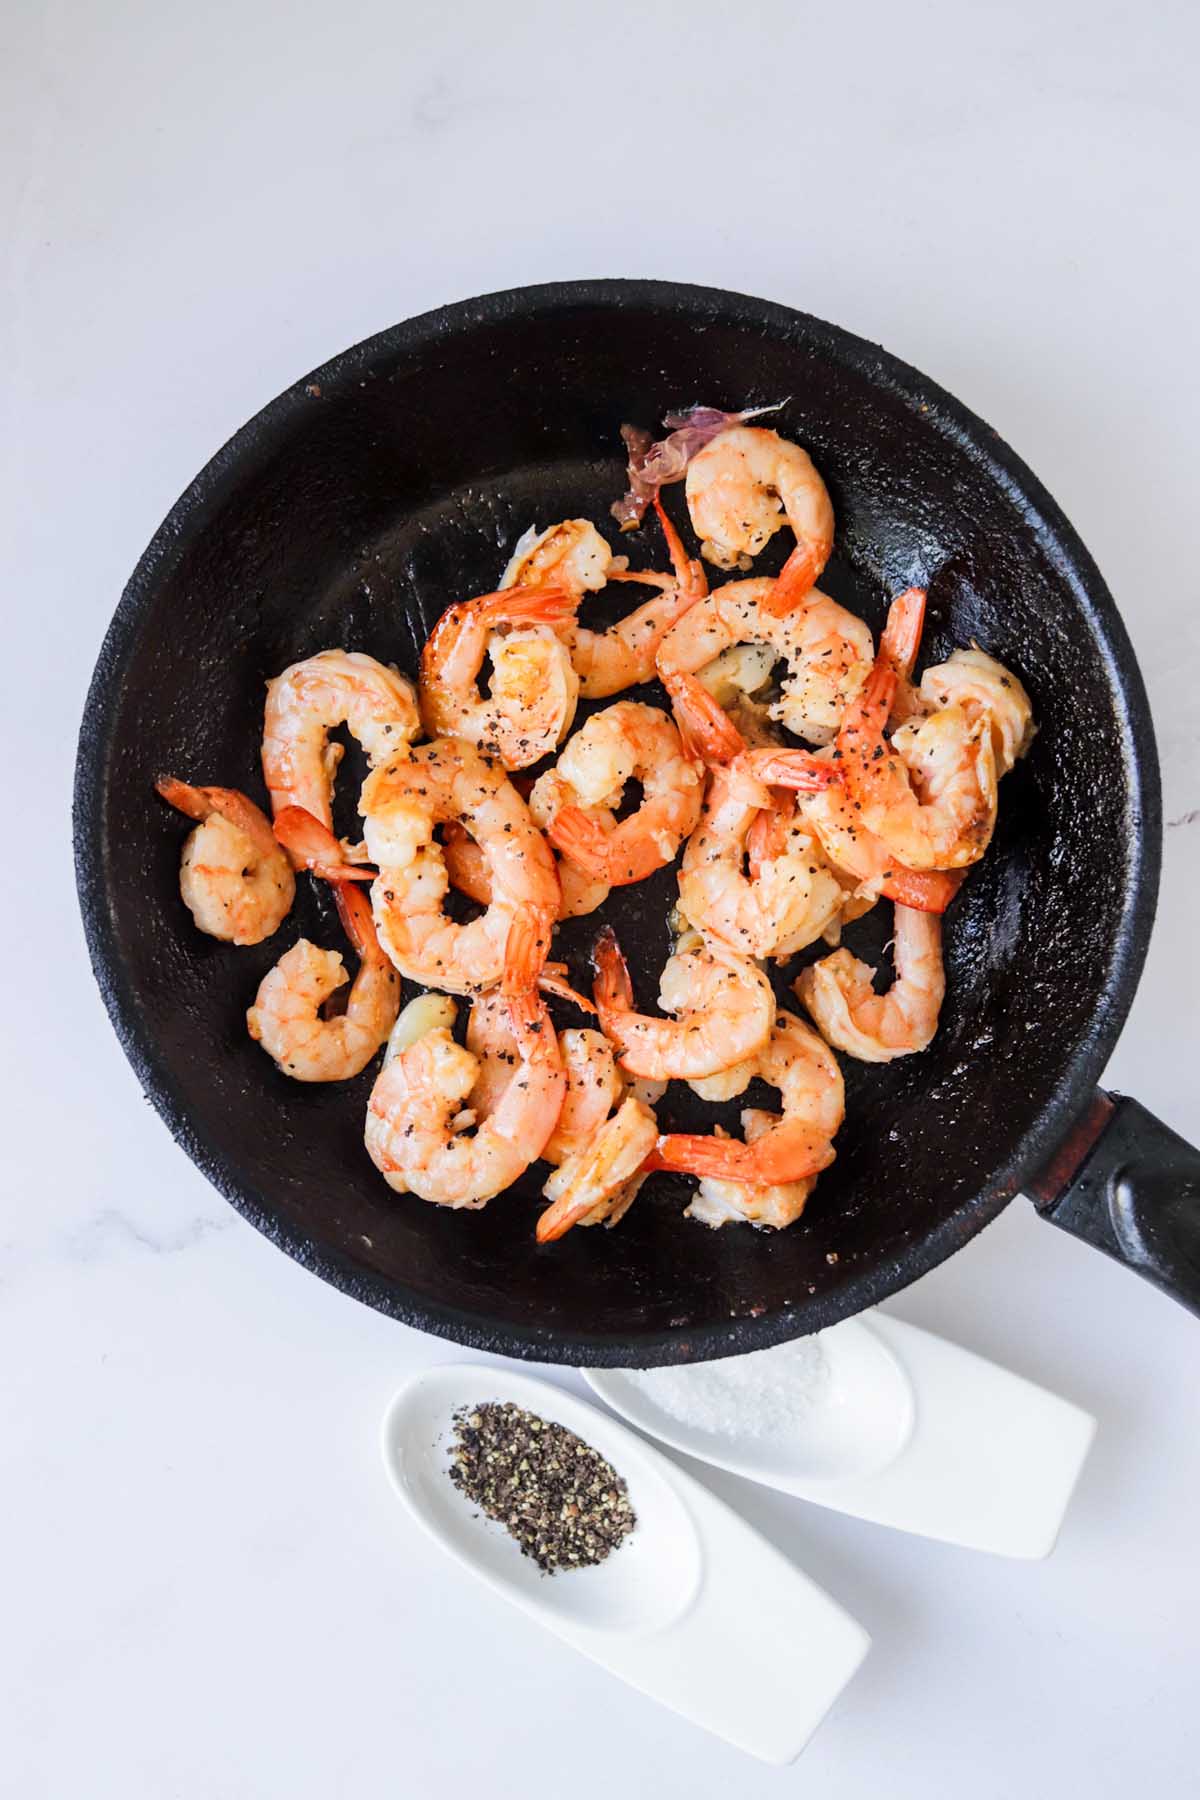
625	742
724	1003
419	1136
533	691
235	880
839	993
449	781
809	1080
336	687
573	556
741	487
286	1018
827	651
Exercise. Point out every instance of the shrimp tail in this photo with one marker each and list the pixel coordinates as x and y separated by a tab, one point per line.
183	797
797	769
581	838
901	637
790	1151
354	910
860	735
647	577
794	583
613	989
531	1027
923	890
708	733
553	980
546	605
689	573
315	848
466	864
767	838
525	951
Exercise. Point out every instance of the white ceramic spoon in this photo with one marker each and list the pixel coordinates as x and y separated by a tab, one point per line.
695	1608
908	1430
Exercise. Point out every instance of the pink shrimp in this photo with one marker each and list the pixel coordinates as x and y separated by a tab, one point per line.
534	689
234	879
287	1017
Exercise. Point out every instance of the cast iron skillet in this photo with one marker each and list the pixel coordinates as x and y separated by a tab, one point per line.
395	478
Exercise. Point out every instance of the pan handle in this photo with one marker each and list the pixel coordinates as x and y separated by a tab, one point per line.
1128	1184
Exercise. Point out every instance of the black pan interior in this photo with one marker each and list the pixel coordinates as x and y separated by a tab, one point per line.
396	479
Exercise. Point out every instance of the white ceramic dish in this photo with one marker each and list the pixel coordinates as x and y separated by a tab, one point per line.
910	1431
695	1609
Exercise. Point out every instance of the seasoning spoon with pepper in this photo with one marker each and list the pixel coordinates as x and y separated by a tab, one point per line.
653	1576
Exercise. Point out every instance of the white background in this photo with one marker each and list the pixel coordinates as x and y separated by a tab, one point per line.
206	1591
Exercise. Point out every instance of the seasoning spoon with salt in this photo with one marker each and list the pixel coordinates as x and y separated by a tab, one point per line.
881	1420
691	1605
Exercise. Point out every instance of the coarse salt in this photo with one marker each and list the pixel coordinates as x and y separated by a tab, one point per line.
768	1394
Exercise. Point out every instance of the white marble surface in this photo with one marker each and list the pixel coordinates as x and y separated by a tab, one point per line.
207	1592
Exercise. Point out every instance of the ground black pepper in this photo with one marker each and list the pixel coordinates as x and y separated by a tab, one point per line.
563	1503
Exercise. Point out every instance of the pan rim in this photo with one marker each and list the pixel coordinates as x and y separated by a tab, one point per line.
861	1288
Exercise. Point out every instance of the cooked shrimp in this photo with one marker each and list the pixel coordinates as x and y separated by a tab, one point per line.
768	1178
725	1007
789	1151
931	795
235	880
741	488
653	465
449	781
866	861
983	687
839	993
598	1183
575	557
418	1135
287	1017
594	1084
582	892
335	687
828	651
533	689
718	1202
599	1158
793	897
806	1072
728	1083
467	863
595	1087
626	742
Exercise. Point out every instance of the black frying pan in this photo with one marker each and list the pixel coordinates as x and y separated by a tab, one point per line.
397	477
